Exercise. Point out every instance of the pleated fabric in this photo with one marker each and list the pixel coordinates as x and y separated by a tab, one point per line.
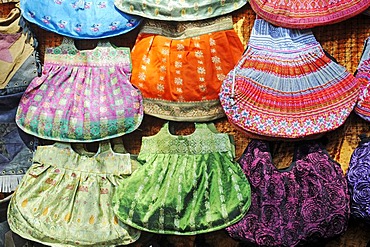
303	14
82	96
285	86
179	67
362	107
187	185
65	198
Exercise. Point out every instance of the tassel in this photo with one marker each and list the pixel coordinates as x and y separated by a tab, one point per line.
9	183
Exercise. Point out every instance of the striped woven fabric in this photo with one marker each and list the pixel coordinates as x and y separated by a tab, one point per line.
285	85
307	14
362	107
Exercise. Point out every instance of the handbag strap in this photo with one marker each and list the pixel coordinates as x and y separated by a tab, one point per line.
304	148
104	146
68	42
104	43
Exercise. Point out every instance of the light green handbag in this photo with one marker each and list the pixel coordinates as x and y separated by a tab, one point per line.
65	198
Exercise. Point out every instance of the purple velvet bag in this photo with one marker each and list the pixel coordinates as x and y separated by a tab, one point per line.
358	177
308	201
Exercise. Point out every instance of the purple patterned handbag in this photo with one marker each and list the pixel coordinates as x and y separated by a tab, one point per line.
358	177
308	201
82	95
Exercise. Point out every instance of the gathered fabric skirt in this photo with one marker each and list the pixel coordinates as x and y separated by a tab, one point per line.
187	185
180	72
285	86
65	200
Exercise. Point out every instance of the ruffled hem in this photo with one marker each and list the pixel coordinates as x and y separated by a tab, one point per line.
74	198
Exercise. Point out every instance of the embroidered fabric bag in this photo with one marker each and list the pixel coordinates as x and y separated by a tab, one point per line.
308	201
18	57
79	19
187	185
65	197
358	180
82	96
362	108
286	87
179	67
304	14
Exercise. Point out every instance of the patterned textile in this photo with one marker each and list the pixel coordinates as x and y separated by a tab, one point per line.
82	96
362	107
285	86
187	184
172	10
16	53
179	67
65	198
15	157
307	14
79	18
358	181
307	201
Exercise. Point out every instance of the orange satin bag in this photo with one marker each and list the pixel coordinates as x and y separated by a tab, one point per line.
179	67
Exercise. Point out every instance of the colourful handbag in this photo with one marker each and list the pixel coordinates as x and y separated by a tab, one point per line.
358	180
302	14
362	108
82	96
179	67
79	19
307	201
286	87
187	185
65	197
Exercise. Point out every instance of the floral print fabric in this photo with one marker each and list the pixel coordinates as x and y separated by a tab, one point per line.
305	202
179	68
79	18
